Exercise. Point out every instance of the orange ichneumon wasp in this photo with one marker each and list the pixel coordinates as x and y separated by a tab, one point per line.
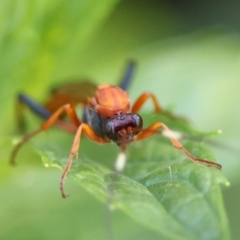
107	117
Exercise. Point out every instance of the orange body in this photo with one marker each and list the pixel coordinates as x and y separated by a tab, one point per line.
110	100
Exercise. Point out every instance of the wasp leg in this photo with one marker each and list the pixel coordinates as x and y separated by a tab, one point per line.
128	76
24	100
88	131
34	106
55	116
142	99
152	129
46	125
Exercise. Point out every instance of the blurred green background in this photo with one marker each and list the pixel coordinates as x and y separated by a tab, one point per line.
188	54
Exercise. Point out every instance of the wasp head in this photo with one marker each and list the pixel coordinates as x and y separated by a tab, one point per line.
122	128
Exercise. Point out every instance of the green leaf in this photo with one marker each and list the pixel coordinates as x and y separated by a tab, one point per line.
159	187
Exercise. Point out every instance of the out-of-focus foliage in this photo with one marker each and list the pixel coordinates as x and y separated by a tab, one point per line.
45	42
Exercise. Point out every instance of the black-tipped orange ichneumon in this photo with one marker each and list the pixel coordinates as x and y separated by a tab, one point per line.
108	116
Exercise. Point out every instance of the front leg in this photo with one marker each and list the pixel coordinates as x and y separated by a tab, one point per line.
154	128
88	131
142	100
157	108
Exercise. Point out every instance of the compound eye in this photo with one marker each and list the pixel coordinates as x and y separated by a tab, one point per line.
110	130
137	121
110	127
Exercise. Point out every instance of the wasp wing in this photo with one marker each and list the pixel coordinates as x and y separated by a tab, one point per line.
74	93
